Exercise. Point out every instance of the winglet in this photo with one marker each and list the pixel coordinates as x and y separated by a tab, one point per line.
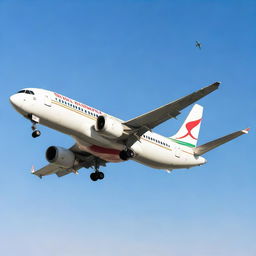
32	169
246	130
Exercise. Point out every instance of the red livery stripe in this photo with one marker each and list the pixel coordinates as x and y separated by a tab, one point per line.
105	150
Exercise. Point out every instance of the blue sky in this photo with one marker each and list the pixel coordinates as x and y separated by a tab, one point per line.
126	58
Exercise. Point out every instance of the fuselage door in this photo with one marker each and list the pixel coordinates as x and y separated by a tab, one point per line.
47	100
177	152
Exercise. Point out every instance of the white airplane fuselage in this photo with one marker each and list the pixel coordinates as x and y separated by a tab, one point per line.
78	120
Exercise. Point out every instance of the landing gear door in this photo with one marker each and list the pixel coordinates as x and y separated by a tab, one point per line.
47	100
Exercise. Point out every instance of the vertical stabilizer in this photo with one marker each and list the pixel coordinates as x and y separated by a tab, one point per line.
189	131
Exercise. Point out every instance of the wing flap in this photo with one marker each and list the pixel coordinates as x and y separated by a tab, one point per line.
171	110
216	143
64	172
47	170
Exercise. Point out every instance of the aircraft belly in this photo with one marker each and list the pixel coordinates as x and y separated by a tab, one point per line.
107	154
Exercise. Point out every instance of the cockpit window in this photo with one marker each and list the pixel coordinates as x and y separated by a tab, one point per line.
31	92
27	92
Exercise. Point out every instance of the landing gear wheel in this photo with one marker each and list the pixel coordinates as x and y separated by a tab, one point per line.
93	176
36	133
100	175
97	176
126	154
130	153
123	155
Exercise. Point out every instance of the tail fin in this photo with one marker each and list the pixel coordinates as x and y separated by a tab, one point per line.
189	131
215	143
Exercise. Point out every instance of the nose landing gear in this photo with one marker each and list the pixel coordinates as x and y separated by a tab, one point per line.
35	120
36	133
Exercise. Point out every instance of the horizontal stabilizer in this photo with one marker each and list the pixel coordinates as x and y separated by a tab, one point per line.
200	150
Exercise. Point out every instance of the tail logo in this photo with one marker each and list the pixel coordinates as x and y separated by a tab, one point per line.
190	126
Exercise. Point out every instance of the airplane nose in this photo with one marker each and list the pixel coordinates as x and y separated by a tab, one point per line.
12	99
16	101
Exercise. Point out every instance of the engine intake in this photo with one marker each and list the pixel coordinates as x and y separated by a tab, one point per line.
100	122
60	157
109	127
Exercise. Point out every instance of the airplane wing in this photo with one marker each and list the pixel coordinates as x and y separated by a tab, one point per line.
200	150
155	117
83	158
47	170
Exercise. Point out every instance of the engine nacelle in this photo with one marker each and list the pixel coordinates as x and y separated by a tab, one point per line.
109	127
60	157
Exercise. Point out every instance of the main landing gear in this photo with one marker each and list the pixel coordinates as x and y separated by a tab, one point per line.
126	154
97	175
35	120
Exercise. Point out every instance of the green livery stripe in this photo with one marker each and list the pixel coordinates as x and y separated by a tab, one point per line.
183	143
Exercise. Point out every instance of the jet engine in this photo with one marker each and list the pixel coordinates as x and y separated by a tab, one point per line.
109	127
60	156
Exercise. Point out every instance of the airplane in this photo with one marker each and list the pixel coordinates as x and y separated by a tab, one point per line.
101	138
198	45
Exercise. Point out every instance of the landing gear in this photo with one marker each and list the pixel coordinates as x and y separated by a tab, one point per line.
126	154
97	176
35	120
36	133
